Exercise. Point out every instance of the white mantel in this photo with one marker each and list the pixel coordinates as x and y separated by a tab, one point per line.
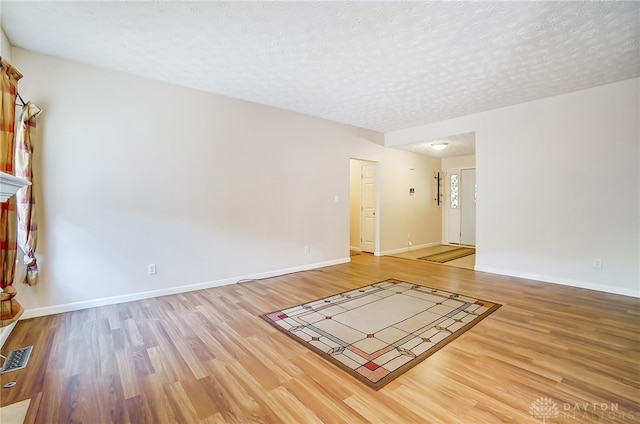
9	185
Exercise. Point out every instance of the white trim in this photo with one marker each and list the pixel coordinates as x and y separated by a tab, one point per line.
10	184
355	249
561	281
407	249
76	306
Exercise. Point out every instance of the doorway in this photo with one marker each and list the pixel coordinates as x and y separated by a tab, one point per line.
363	217
461	206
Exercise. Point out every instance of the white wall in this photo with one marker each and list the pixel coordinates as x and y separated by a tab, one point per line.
558	186
5	47
459	162
417	216
210	189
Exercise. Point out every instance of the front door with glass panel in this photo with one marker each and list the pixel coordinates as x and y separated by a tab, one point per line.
461	207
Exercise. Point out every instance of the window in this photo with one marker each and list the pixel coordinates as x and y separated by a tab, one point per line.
454	191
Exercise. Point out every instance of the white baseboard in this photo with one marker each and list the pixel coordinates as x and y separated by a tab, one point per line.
355	249
4	333
407	249
559	280
76	306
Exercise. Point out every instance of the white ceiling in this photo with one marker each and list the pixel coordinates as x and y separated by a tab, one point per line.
457	145
378	65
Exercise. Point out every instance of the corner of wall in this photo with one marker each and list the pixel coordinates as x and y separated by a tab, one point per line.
5	45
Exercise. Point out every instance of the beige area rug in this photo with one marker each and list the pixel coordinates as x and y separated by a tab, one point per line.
467	262
449	255
379	331
15	413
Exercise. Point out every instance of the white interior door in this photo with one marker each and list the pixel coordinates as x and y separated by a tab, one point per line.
368	209
468	207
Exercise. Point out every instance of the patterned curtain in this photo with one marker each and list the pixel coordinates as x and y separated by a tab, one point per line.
10	309
26	202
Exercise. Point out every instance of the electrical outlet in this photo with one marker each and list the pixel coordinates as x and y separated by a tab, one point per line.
151	269
597	263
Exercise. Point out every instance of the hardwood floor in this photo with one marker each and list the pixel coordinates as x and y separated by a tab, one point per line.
206	356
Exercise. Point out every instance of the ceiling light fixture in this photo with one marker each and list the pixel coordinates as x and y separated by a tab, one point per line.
440	145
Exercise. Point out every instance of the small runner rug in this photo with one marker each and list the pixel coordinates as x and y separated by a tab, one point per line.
379	331
449	255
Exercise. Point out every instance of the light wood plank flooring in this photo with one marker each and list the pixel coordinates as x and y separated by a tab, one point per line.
206	356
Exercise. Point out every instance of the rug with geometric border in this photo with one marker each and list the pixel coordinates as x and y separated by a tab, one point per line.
379	331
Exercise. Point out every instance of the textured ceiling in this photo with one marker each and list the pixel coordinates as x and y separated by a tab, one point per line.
378	65
457	145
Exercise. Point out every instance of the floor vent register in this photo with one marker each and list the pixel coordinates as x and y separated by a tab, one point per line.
16	359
